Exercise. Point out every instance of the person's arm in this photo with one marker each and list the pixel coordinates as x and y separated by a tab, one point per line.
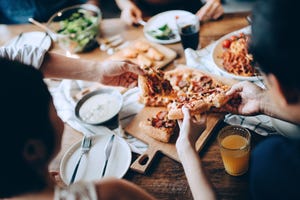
255	100
212	9
130	13
115	73
198	181
93	2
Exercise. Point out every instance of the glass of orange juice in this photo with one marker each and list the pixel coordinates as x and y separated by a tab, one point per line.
234	142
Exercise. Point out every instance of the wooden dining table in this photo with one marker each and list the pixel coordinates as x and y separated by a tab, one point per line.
165	179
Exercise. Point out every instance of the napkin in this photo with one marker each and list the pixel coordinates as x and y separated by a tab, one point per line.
65	102
202	59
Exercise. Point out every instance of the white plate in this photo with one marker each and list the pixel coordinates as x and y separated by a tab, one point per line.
161	19
35	38
218	50
92	163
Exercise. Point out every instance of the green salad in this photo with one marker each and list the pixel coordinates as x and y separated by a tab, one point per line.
162	33
81	27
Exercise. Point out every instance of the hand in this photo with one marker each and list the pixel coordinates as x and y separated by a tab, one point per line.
251	97
190	128
119	73
131	14
211	10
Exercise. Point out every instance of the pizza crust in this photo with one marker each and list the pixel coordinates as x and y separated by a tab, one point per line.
160	134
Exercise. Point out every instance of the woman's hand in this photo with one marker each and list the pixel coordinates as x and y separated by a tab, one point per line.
213	9
190	128
119	73
251	96
131	14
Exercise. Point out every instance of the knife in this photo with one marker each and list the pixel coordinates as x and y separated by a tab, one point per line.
108	149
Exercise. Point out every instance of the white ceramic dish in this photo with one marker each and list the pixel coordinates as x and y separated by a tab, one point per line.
99	106
217	51
92	163
161	19
35	38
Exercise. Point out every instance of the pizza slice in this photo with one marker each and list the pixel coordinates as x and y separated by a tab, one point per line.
159	126
155	89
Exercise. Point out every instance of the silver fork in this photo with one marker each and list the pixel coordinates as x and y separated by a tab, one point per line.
85	147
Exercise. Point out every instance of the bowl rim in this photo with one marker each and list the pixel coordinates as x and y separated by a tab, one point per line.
113	92
84	6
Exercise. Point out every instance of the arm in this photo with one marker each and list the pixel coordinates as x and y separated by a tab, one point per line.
130	13
189	132
114	73
93	2
255	100
212	9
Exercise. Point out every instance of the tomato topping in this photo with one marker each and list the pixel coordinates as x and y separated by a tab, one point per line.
226	44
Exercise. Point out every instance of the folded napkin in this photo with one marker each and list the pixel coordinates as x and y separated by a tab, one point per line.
65	102
202	59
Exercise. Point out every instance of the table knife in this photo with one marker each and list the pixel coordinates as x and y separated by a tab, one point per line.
108	149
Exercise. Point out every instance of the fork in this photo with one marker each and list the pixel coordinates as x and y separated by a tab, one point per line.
85	147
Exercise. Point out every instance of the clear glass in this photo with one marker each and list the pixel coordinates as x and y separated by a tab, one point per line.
188	28
234	143
76	27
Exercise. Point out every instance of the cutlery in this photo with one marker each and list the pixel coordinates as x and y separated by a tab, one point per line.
85	147
108	149
45	28
142	22
18	39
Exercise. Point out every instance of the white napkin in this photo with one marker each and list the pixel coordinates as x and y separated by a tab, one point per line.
202	59
64	101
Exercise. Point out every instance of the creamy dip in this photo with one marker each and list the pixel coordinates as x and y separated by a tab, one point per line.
99	108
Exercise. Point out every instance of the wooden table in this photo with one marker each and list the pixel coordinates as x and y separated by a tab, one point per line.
166	178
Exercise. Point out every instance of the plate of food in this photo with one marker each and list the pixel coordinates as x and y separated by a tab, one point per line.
162	28
231	57
92	163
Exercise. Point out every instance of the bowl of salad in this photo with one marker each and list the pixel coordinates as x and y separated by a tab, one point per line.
76	27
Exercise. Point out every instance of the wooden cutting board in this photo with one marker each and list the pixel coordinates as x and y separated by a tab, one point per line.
143	162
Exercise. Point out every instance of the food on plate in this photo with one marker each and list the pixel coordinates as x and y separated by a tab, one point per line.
236	58
162	33
142	46
144	61
159	126
130	53
75	27
154	54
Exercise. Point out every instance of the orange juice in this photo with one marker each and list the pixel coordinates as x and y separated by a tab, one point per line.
235	151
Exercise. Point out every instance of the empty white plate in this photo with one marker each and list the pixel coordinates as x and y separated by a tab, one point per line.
92	163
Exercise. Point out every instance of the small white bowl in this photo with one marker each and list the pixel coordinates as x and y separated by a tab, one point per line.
99	106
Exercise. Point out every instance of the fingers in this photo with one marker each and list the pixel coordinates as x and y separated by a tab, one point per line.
211	10
236	88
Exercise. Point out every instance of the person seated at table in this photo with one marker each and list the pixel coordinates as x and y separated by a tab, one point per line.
275	163
32	134
132	11
18	11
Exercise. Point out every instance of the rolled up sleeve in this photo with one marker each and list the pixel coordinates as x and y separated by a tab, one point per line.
29	55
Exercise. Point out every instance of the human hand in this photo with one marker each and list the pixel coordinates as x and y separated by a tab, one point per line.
190	128
213	9
250	98
119	73
131	14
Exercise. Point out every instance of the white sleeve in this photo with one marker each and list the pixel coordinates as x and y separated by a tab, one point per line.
29	55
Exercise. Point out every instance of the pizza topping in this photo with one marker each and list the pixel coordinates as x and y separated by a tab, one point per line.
160	120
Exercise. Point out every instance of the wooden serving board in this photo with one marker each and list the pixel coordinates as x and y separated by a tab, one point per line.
169	54
143	162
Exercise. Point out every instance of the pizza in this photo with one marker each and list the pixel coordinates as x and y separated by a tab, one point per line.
198	91
159	126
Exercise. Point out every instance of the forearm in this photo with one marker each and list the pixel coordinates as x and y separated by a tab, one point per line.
59	66
199	183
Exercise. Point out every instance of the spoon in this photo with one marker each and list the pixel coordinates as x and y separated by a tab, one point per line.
52	34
